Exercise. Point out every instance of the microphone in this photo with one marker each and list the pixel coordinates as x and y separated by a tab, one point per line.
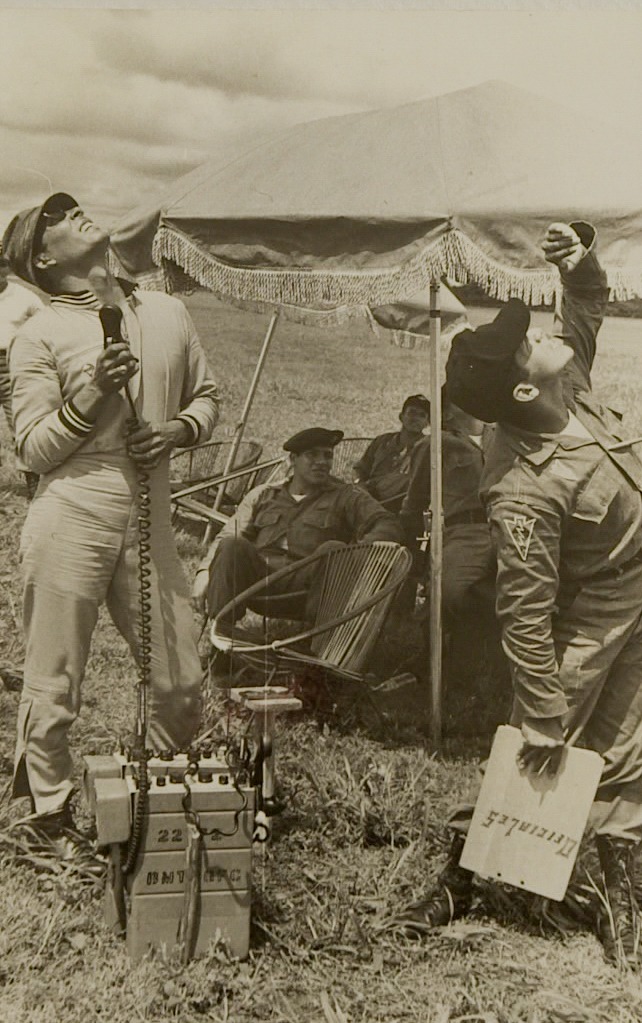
111	318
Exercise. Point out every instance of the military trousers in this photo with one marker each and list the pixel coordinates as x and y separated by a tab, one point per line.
237	565
79	550
598	641
469	569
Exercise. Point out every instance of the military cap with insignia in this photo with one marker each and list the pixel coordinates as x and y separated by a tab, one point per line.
315	437
481	370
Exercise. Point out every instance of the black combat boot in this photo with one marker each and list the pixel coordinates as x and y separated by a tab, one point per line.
618	921
451	897
56	834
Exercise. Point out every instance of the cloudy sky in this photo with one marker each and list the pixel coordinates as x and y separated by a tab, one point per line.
113	105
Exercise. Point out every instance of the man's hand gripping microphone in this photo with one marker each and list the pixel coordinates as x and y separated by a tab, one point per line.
119	363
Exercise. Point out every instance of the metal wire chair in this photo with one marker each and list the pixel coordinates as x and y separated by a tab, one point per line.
207	461
357	585
346	453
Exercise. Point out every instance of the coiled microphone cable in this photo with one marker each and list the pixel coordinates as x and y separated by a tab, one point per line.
111	320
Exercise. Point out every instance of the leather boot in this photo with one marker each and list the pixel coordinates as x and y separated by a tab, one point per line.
451	897
618	921
56	835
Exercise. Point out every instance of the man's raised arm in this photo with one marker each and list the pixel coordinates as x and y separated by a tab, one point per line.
580	309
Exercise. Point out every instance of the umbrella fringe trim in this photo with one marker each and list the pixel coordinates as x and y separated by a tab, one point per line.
471	265
454	254
163	279
299	287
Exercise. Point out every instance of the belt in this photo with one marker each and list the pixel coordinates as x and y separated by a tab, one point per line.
465	517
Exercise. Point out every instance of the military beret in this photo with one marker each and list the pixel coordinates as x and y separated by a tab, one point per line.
480	369
22	237
419	401
315	437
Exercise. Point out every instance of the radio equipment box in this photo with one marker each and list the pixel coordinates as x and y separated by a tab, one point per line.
149	901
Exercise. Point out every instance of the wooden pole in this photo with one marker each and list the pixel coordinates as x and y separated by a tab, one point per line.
436	514
240	426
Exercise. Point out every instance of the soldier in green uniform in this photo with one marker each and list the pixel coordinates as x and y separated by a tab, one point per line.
468	556
562	492
279	524
384	467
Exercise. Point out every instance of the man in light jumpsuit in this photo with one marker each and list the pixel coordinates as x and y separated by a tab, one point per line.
79	543
563	495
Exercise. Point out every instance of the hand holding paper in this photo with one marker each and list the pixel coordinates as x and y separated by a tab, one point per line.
543	745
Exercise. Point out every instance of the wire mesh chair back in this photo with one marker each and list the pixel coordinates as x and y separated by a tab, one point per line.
191	465
365	576
207	461
346	453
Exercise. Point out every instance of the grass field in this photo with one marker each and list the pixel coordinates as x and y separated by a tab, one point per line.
362	831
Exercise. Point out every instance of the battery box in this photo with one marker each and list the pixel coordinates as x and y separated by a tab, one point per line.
150	899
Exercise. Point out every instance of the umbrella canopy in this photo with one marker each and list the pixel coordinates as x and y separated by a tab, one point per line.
368	208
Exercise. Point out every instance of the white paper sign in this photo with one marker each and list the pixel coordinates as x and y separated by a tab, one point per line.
526	829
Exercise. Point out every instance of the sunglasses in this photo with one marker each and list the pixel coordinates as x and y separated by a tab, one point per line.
50	218
61	205
56	209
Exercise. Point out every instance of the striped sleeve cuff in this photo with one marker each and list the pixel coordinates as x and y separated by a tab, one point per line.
193	424
71	418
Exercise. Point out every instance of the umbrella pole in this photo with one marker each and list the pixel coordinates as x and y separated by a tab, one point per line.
436	514
240	426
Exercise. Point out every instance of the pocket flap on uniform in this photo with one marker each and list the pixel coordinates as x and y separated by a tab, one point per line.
267	517
319	517
461	459
595	500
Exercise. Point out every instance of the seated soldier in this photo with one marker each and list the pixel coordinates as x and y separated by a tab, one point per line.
383	469
278	524
468	559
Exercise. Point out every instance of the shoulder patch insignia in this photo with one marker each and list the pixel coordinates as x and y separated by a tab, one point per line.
520	530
